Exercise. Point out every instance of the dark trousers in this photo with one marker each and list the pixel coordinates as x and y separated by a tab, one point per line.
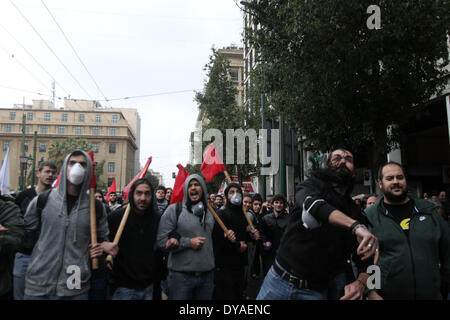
229	283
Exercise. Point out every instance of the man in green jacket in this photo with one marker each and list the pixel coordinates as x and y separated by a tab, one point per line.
414	240
11	235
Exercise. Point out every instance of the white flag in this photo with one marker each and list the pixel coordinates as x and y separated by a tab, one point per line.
4	175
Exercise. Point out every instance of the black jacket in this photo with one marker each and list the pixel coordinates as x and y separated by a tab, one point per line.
272	229
24	198
318	254
138	263
226	253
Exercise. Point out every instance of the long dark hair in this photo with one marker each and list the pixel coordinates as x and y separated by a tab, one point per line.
133	188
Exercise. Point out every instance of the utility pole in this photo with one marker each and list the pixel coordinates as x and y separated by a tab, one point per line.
263	120
22	157
33	168
282	159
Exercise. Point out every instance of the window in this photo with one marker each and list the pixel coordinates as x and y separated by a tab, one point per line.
113	131
47	116
81	117
5	145
78	131
111	166
112	148
95	131
98	118
12	115
25	146
95	147
115	118
27	128
44	129
61	130
234	74
30	116
64	117
42	147
8	128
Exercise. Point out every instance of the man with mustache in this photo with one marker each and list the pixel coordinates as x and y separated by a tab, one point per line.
322	232
414	238
187	236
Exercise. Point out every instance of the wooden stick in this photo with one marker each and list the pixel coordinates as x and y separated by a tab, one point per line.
247	217
219	221
227	176
120	230
93	220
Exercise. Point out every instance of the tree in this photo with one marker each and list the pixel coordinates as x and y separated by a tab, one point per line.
60	149
219	106
154	181
342	83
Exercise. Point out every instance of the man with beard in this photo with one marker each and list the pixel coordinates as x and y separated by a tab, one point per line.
232	256
186	232
138	264
414	239
320	237
113	203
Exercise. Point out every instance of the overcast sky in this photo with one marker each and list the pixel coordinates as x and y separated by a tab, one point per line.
131	48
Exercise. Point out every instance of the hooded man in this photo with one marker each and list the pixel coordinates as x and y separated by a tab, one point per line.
59	267
231	256
137	265
188	238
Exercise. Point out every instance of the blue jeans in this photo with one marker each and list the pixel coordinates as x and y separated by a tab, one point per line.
83	296
336	287
122	293
183	286
19	272
275	288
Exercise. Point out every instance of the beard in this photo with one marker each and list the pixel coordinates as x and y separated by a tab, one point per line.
341	176
395	198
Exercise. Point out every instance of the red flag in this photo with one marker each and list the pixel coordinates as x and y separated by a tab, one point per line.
93	180
178	188
56	183
140	175
212	164
112	188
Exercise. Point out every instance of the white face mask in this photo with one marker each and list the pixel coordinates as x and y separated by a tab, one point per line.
76	174
236	199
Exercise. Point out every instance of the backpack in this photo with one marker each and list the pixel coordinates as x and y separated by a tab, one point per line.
173	233
31	237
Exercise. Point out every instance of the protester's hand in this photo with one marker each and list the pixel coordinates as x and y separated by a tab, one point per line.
354	291
373	295
96	250
110	248
243	247
368	244
230	235
172	243
197	242
254	233
3	230
109	265
267	245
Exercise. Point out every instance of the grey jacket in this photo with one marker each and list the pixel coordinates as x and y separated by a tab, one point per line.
60	258
184	258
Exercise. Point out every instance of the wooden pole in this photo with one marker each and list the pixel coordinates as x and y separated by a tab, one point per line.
93	222
120	230
219	221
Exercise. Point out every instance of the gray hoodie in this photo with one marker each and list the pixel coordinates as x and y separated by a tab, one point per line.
61	255
184	258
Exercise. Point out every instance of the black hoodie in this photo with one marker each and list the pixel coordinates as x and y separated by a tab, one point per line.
227	254
138	263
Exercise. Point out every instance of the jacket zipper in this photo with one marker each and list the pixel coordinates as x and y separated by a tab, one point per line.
66	225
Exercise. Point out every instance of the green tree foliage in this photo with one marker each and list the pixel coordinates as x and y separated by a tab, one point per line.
154	181
219	105
58	150
341	83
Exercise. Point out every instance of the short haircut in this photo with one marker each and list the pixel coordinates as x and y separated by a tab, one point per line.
247	195
257	197
47	163
161	188
112	192
218	196
279	197
169	189
380	170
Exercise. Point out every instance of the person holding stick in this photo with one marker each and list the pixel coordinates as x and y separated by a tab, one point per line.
187	235
59	267
231	257
138	264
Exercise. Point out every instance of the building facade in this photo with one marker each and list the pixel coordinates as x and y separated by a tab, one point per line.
113	133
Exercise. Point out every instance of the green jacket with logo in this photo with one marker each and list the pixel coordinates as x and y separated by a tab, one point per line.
411	267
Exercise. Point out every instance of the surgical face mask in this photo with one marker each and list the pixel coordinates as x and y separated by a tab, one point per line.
198	209
236	199
76	174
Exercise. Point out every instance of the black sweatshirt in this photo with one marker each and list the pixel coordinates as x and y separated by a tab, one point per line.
319	254
138	263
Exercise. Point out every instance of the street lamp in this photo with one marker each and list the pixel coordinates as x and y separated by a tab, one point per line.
25	161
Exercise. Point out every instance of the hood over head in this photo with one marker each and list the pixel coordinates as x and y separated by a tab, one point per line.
203	185
233	184
133	188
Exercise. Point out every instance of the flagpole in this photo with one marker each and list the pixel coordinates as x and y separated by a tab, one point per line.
93	215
